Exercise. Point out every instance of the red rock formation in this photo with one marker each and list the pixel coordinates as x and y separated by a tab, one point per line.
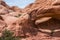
3	10
4	4
38	21
15	8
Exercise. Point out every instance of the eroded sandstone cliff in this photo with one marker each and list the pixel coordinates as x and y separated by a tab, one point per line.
38	21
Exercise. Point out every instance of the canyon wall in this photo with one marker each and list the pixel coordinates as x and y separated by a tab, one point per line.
37	21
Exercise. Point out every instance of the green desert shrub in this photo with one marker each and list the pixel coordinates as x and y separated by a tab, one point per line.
8	35
18	15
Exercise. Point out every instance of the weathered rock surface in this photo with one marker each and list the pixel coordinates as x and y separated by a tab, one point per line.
38	21
15	8
3	10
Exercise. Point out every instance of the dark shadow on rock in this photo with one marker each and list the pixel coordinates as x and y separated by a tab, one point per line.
51	24
56	34
33	29
29	28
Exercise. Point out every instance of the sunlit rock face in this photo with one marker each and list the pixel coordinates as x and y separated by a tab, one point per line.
15	8
3	3
38	21
40	4
3	10
41	9
13	19
44	7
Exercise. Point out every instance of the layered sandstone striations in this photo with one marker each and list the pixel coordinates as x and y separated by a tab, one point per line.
38	21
